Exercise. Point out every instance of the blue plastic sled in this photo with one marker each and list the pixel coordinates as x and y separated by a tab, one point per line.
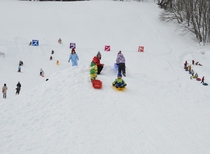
115	66
205	84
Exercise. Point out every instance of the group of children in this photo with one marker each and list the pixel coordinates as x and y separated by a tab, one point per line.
96	68
188	68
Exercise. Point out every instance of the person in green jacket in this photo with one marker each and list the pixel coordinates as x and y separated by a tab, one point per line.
93	70
119	82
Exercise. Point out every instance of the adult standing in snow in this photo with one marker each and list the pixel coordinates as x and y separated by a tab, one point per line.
120	61
4	91
73	57
18	88
97	60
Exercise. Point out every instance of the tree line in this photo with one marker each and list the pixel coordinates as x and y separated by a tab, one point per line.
193	15
54	0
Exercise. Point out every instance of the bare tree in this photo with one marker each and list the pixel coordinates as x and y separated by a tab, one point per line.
194	15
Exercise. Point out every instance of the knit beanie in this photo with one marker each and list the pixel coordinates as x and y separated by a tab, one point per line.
99	55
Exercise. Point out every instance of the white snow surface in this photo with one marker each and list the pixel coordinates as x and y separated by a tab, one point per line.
162	111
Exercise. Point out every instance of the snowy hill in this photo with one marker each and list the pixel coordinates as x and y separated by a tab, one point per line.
162	111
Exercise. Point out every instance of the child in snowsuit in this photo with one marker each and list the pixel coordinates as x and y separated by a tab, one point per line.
189	68
193	62
196	75
59	40
93	70
97	59
202	80
185	65
120	61
73	57
192	74
119	82
21	63
41	71
18	88
19	68
4	91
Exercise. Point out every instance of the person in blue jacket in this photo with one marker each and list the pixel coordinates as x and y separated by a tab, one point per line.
73	57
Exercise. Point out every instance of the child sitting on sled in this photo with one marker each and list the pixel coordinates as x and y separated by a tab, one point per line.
119	82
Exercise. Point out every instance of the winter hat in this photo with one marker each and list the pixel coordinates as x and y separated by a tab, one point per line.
99	55
119	75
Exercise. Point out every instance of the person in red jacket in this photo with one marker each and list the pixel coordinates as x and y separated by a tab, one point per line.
97	60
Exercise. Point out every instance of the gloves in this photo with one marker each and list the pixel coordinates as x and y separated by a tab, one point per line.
125	85
113	84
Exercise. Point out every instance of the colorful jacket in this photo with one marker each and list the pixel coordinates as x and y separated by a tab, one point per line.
93	71
119	80
73	58
120	58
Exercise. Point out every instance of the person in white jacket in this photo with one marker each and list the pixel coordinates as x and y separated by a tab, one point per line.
4	91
